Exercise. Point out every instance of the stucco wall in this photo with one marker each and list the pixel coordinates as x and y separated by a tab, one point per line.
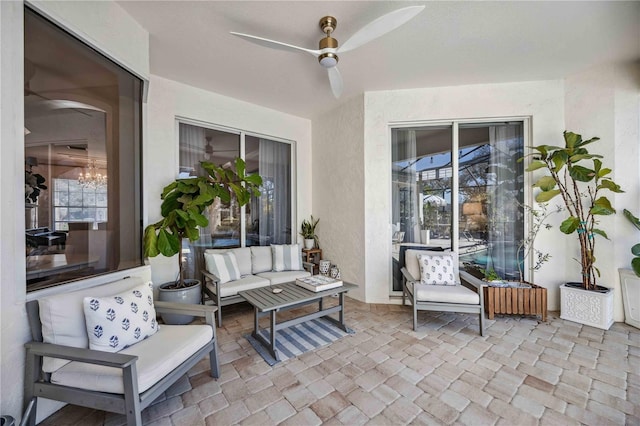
338	196
169	99
122	39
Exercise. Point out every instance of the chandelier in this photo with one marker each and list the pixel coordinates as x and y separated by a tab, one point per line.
91	178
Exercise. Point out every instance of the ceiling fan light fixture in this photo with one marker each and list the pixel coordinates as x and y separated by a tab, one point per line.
328	60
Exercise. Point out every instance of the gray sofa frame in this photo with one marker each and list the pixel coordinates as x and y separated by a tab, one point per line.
131	403
466	279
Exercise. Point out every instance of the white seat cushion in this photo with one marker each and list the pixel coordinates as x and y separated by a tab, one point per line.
284	276
446	294
158	355
233	287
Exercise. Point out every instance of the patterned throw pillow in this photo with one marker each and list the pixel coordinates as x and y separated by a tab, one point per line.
436	270
286	257
223	265
115	322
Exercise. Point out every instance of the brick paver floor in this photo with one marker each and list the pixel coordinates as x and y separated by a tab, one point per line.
522	372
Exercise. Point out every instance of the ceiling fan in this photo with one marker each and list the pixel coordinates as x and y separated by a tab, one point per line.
328	49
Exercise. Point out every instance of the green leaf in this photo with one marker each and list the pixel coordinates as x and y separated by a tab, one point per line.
572	140
545	183
535	165
602	206
569	225
610	185
170	203
600	232
595	139
199	219
192	233
579	157
254	179
167	189
168	244
559	159
635	265
187	188
636	250
150	242
633	219
581	174
240	167
182	214
545	196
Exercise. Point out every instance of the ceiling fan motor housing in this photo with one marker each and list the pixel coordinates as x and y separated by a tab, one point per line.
328	59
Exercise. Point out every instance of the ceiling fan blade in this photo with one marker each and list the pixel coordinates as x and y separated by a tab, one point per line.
336	81
275	44
380	26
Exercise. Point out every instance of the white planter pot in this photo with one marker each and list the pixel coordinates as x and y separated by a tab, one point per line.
586	307
425	236
309	243
630	287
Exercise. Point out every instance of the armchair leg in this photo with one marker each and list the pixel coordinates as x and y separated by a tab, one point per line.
131	396
481	322
32	366
415	317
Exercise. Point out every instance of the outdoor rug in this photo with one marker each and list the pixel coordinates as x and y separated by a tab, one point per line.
298	339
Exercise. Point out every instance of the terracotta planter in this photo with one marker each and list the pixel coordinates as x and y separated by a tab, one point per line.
594	308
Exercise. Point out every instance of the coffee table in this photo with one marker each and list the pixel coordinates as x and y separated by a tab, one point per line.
265	302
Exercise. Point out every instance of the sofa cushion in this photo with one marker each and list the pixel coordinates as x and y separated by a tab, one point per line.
62	316
446	294
115	322
411	261
243	258
283	277
222	265
157	356
260	259
436	270
286	257
245	283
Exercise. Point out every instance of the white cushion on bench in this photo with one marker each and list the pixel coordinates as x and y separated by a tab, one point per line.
158	355
284	276
261	260
233	287
243	258
446	294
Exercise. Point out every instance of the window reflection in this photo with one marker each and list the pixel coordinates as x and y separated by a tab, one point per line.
82	159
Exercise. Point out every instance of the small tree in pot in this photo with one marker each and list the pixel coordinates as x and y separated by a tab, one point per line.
635	250
581	190
184	202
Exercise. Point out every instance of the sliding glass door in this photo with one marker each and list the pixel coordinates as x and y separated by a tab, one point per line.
458	186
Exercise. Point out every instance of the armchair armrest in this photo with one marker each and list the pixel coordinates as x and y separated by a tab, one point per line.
184	308
408	276
212	277
473	281
89	356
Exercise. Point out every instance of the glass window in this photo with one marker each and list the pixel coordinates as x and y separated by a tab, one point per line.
82	159
488	192
267	218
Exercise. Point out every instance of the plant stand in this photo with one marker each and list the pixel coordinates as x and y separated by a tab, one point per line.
516	301
586	307
314	256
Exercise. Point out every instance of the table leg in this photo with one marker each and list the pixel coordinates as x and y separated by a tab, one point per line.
272	337
255	321
341	313
320	305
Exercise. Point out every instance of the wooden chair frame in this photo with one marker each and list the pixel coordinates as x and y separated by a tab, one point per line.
131	403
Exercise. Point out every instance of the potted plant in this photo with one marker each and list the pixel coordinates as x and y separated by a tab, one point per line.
580	187
184	202
630	280
308	232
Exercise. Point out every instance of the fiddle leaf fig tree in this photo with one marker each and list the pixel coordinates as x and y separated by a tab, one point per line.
183	205
581	187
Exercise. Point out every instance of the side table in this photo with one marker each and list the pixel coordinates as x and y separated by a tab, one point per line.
313	256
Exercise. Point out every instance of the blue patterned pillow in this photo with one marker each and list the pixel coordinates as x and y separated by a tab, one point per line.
115	322
437	269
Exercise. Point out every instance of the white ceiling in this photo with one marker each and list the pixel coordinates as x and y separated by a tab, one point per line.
449	43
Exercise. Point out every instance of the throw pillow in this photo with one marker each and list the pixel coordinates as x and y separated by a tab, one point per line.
286	257
115	322
223	265
436	269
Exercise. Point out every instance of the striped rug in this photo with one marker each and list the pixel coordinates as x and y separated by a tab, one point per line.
298	339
